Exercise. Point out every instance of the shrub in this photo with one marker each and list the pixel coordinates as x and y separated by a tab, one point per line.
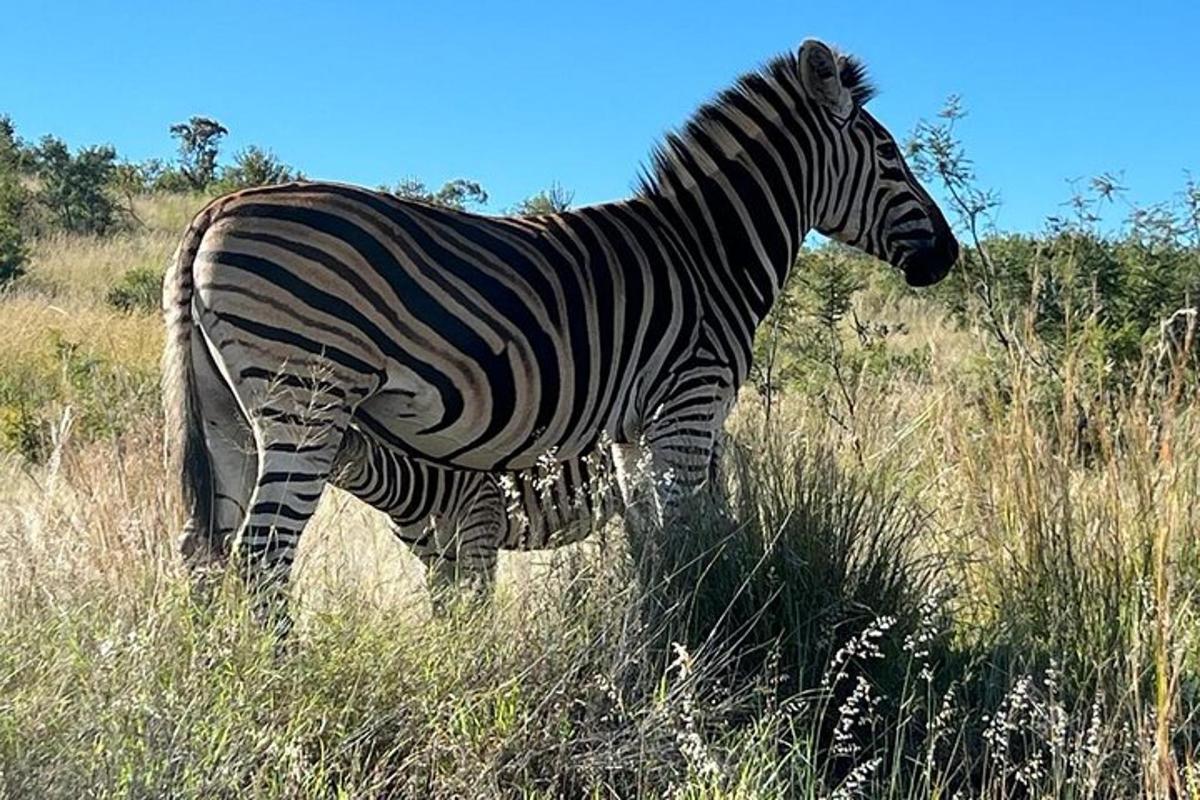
21	431
169	179
255	166
547	201
457	194
1073	284
74	188
139	289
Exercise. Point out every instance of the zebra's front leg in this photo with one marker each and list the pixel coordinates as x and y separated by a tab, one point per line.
659	474
636	479
458	579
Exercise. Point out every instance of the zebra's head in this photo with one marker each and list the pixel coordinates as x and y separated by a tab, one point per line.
871	200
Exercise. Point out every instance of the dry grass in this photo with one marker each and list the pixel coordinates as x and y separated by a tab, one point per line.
82	268
32	324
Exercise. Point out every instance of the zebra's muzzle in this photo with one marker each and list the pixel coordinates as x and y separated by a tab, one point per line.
929	263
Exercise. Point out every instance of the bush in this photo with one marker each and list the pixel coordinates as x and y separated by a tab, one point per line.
457	194
12	250
21	432
171	180
139	289
1075	285
255	166
74	189
548	201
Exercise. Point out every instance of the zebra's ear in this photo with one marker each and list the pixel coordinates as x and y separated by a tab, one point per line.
821	75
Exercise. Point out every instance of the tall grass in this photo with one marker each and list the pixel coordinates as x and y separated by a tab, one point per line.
1031	634
976	582
83	268
63	346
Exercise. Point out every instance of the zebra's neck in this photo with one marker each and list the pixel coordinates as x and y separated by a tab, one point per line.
737	186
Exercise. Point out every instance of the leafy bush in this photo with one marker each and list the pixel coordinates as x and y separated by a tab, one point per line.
74	188
1076	283
255	166
547	201
171	180
457	194
21	432
139	289
152	175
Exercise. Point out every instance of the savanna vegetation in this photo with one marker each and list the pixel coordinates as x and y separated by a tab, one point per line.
962	561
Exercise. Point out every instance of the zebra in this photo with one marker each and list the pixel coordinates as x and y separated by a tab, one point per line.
486	343
456	521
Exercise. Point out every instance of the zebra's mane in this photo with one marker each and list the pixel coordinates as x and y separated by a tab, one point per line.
782	69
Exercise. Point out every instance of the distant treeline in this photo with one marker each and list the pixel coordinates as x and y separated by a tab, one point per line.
46	187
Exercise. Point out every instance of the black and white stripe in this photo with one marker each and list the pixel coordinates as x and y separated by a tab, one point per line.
488	343
456	521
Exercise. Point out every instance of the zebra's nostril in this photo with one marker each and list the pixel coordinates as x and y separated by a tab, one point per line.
930	263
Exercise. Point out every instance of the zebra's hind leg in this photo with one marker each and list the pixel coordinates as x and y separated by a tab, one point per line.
453	573
296	449
459	547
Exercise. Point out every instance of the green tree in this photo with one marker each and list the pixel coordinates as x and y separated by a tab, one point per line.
12	250
548	201
14	199
199	144
14	155
74	188
457	194
255	166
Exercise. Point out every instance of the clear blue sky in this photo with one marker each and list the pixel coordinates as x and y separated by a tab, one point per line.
519	94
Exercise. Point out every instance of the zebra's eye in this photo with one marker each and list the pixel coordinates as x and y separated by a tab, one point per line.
888	152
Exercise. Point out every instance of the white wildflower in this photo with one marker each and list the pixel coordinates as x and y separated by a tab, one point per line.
863	646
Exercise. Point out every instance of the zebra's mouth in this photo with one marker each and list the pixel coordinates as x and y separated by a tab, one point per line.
929	263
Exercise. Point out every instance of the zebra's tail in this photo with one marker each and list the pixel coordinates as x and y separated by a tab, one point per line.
186	452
